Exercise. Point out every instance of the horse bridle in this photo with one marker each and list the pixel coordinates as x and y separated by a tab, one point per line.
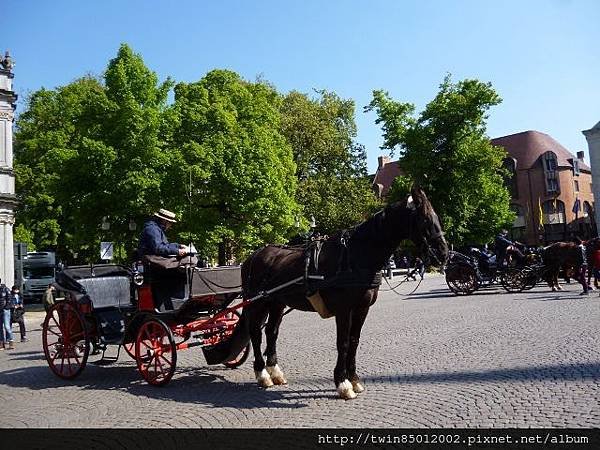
425	240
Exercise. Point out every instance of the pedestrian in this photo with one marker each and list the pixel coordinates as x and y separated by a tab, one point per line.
18	312
582	269
48	298
6	336
419	268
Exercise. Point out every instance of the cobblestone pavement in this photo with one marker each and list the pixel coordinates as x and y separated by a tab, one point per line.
433	359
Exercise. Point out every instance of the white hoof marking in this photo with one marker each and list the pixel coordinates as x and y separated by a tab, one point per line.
276	374
345	390
263	378
357	387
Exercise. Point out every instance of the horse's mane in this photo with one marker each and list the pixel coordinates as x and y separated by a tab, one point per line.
372	228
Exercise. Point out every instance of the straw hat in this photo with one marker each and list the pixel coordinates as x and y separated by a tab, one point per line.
166	215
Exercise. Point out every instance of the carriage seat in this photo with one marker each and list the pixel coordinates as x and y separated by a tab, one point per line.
108	292
108	295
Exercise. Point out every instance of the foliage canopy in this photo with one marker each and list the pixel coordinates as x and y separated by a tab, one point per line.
445	150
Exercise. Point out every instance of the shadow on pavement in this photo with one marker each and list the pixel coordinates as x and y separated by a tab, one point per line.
559	372
204	386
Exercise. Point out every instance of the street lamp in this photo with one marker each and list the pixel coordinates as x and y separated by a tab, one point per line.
105	225
312	224
132	225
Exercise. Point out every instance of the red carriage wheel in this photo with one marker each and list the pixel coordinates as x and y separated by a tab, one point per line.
155	352
130	349
233	318
65	340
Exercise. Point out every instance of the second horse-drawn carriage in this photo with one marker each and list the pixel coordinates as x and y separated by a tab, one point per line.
113	305
469	271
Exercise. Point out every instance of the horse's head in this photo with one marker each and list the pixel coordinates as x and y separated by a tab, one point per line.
425	230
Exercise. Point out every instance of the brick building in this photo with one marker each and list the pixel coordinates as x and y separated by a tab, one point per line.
551	189
547	176
387	171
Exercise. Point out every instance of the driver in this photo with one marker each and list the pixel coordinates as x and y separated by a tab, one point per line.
166	281
502	243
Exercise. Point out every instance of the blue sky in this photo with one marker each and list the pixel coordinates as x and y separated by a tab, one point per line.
542	57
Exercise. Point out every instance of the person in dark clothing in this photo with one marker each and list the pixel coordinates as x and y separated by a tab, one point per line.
18	311
6	336
153	240
501	244
583	265
166	283
419	268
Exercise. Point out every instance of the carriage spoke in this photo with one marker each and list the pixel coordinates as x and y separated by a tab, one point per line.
162	372
55	321
54	332
168	361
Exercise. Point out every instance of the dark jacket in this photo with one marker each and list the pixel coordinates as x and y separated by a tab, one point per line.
153	241
5	302
501	243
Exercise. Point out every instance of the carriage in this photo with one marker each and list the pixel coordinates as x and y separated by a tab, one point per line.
338	275
466	273
112	305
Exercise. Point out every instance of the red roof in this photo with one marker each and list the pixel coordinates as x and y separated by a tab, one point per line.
528	146
386	174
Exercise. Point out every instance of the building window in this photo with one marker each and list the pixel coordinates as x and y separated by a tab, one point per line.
551	183
554	212
555	226
576	185
550	164
575	167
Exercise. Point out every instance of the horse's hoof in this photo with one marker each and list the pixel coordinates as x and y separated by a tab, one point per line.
357	387
276	375
553	289
558	288
345	390
263	378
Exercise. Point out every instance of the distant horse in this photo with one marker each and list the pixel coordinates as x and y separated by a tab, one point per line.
566	256
350	263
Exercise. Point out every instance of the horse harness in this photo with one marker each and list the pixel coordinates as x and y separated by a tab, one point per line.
345	276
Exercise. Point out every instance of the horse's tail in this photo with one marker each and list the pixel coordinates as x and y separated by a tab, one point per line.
230	348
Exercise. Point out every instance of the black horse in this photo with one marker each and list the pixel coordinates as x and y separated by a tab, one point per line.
350	263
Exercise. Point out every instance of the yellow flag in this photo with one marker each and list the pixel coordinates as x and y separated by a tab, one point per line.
541	213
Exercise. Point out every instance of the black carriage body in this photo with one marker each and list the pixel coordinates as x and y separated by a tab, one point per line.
105	295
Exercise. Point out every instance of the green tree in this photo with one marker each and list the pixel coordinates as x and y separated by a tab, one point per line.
446	150
330	166
90	150
241	169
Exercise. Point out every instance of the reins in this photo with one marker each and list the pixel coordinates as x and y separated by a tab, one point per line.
399	284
